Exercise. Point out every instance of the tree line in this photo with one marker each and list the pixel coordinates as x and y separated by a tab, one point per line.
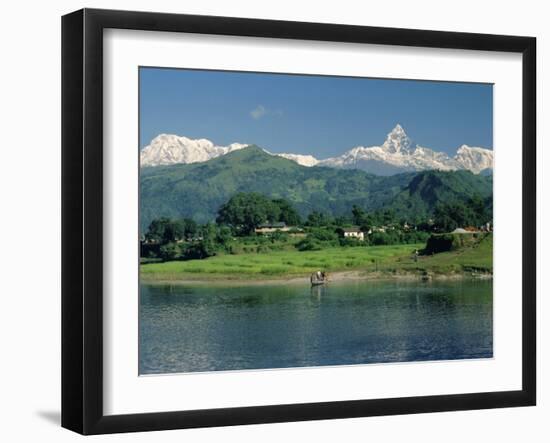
237	219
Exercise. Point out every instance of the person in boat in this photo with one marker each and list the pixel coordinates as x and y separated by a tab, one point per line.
318	277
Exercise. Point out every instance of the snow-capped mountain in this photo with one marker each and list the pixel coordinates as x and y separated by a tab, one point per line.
397	154
474	158
168	149
304	160
397	142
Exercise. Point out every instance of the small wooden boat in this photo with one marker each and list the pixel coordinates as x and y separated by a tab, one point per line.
317	282
318	278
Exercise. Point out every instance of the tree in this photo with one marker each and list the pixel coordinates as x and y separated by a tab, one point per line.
246	211
223	237
206	247
359	215
287	213
155	232
317	219
479	210
388	216
164	230
449	216
199	250
190	228
341	221
209	238
169	251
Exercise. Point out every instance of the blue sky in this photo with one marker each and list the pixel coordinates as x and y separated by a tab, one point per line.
318	115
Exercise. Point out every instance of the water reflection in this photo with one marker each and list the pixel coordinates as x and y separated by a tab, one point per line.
317	291
186	328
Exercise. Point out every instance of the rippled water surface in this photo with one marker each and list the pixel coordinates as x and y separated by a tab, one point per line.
201	328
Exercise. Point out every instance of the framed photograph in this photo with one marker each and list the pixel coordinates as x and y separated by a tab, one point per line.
269	221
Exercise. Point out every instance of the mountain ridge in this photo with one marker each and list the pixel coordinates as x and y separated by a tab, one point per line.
397	154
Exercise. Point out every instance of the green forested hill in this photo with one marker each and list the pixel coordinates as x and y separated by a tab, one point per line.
198	190
428	188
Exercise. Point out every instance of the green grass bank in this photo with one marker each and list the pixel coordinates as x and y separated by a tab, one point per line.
469	258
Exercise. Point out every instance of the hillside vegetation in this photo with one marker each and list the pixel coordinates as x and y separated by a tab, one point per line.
198	190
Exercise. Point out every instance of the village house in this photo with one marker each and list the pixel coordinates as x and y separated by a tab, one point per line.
459	231
466	230
354	232
267	228
377	229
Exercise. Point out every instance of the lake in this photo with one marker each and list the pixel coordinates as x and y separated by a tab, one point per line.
200	328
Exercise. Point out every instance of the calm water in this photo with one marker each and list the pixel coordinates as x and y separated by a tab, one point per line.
194	328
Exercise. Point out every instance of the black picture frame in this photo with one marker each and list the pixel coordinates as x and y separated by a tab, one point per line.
82	218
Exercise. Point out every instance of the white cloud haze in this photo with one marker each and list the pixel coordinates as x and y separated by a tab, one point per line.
261	111
258	112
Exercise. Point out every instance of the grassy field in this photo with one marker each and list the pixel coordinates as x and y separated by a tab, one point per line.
477	258
383	260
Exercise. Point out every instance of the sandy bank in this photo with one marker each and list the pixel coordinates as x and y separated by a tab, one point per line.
334	277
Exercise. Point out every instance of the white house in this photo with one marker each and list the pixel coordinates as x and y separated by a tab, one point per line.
354	232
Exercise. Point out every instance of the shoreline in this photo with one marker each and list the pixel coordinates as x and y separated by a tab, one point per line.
334	277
